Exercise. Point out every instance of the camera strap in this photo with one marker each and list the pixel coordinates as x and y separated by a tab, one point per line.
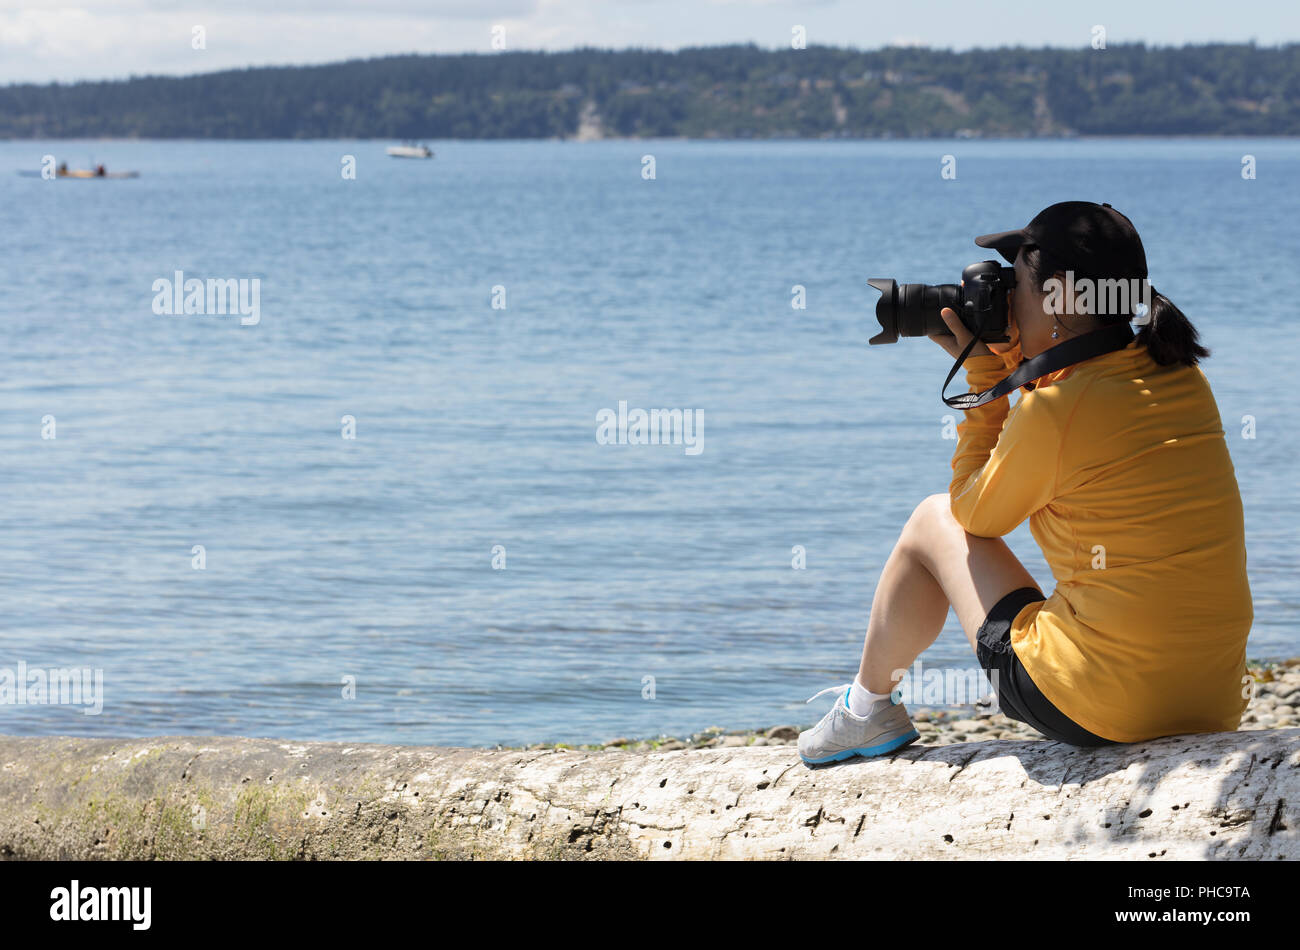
1106	340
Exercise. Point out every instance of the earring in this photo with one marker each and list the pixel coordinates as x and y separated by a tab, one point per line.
1053	331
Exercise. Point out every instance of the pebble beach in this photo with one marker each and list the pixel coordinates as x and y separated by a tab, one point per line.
1275	704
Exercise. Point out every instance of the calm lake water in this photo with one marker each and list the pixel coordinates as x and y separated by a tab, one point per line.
372	557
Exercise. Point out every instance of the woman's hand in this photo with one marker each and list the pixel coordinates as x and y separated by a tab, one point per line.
960	336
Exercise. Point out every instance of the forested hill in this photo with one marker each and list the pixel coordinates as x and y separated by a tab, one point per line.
727	92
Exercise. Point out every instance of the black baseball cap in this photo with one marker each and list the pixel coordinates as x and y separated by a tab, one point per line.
1092	239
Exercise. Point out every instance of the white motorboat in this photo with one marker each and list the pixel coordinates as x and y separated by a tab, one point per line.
410	151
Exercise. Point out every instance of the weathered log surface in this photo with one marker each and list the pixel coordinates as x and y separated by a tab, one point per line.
1222	795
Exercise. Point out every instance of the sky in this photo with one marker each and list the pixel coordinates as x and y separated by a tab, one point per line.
109	39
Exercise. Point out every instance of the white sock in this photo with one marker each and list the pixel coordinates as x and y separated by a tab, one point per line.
862	700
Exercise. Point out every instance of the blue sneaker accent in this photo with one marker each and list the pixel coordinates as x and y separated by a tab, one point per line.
841	735
869	751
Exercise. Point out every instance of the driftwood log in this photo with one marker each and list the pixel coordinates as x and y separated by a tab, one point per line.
1220	795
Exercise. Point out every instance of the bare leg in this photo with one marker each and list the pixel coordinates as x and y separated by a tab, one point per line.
934	565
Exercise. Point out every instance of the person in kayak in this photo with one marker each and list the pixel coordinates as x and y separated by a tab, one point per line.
1121	466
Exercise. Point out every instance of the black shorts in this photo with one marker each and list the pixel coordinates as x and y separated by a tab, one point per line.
1018	697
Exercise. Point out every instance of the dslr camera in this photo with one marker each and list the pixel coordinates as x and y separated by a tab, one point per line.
913	309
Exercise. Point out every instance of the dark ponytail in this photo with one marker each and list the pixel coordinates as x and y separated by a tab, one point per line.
1168	335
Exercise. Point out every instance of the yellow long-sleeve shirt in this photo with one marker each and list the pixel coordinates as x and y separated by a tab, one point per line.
1122	468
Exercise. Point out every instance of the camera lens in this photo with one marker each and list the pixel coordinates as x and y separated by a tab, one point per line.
912	309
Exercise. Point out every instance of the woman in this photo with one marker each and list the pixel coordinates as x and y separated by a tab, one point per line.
1121	466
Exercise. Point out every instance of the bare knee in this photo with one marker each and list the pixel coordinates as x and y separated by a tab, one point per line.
929	518
932	506
930	528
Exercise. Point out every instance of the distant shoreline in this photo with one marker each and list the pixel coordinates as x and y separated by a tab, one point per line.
737	92
380	140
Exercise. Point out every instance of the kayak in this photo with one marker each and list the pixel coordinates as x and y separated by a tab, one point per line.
88	173
82	173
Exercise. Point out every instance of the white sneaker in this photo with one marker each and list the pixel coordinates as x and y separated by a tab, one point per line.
841	734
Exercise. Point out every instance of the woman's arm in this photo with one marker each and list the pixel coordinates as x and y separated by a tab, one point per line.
1006	462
